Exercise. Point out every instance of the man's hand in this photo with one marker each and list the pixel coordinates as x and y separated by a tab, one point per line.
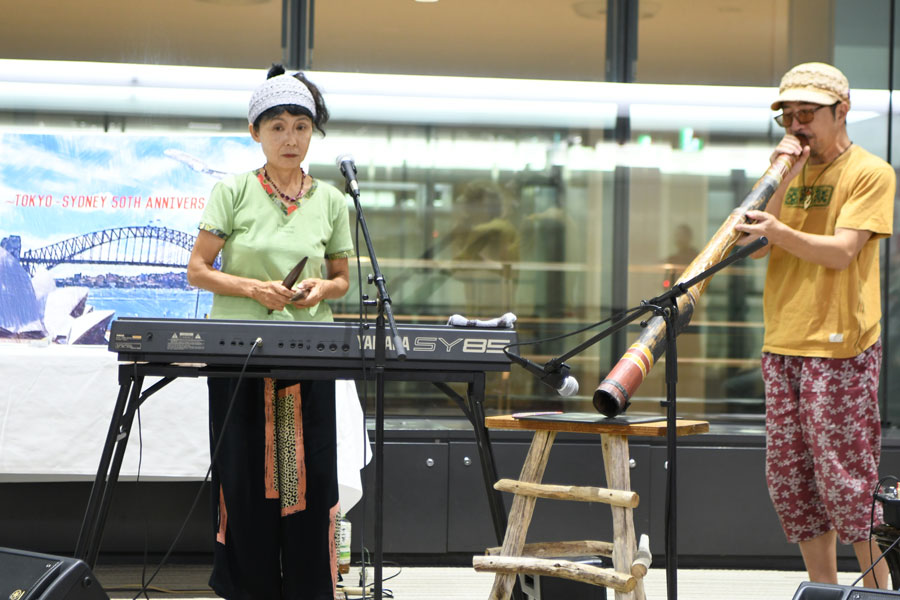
760	224
794	146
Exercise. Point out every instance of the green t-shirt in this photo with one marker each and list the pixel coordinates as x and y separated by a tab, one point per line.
263	241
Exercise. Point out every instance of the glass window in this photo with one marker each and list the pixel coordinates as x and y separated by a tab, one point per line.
480	222
490	204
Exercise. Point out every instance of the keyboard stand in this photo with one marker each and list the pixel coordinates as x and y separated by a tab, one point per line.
132	395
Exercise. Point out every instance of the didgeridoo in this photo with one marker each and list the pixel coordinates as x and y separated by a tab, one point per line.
614	393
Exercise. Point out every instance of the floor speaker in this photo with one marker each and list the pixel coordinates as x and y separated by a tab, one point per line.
31	576
827	591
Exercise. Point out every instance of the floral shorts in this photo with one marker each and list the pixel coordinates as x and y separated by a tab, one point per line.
823	443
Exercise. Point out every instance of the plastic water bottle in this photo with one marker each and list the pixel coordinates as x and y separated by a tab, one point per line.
343	535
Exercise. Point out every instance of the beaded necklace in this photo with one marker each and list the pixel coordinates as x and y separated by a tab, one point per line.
285	197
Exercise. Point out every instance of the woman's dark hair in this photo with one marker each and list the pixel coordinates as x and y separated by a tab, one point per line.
321	111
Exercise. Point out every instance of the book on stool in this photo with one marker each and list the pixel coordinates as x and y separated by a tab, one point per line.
543	587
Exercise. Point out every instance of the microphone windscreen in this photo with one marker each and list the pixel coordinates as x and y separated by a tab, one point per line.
343	157
569	387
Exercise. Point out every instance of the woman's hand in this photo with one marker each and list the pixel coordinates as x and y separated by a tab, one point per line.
310	292
313	290
271	294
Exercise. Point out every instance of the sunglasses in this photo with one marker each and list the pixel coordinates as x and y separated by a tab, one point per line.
803	115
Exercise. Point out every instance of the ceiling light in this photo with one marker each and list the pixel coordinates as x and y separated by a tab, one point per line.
204	94
649	8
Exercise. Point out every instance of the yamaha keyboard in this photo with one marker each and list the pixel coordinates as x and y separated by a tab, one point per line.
306	344
171	349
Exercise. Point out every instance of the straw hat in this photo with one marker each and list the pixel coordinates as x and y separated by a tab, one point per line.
814	82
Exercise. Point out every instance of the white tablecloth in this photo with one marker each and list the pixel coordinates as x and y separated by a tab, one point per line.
56	405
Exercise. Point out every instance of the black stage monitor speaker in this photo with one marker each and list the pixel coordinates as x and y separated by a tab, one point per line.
827	591
32	576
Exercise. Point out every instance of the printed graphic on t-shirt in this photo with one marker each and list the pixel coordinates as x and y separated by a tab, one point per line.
806	198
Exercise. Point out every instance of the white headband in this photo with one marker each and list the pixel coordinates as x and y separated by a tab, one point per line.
278	91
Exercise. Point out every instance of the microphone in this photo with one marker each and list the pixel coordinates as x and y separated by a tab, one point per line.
348	168
556	377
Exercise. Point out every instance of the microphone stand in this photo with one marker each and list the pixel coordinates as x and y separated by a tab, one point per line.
666	306
385	312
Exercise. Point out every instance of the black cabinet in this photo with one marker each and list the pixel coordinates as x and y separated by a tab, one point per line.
723	505
415	500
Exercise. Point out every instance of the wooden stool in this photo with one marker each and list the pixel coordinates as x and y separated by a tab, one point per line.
630	561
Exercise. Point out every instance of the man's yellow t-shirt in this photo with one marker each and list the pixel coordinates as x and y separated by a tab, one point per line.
811	310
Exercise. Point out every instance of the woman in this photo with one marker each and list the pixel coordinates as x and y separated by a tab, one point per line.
274	481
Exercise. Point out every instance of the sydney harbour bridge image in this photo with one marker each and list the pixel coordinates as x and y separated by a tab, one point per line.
136	245
34	306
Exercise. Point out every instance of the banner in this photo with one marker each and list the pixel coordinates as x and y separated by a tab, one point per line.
95	226
98	226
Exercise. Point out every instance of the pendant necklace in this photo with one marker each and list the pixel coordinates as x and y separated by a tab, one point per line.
806	191
285	197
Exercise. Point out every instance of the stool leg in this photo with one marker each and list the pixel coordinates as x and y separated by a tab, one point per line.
522	509
617	463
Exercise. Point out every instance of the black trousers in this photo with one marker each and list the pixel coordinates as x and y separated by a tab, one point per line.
267	555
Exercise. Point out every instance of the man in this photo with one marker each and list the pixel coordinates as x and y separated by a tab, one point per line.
822	351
